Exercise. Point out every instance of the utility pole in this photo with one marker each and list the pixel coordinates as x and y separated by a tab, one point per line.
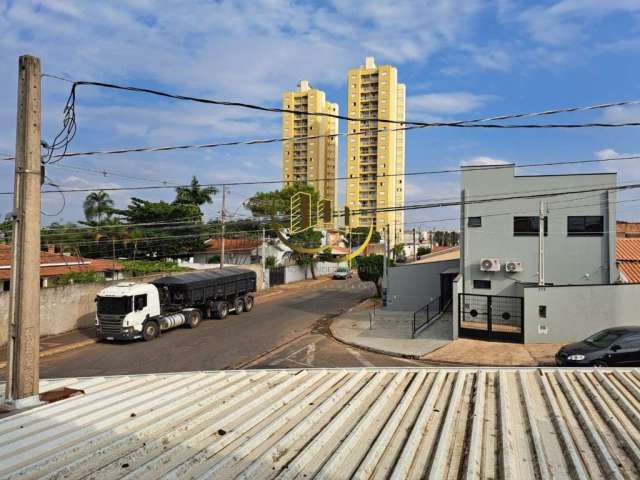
385	266
349	233
414	245
541	246
23	374
264	258
222	221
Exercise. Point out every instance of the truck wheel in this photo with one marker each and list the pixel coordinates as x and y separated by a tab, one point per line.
238	306
248	303
221	309
150	330
194	319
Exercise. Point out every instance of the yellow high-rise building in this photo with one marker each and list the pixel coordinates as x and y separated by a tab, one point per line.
315	160
375	159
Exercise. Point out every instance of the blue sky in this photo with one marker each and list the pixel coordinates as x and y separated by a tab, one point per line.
459	59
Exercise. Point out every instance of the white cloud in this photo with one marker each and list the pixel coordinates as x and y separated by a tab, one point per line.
447	103
626	114
483	160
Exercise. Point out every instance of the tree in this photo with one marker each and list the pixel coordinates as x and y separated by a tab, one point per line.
170	229
195	194
97	204
274	209
398	251
359	234
371	269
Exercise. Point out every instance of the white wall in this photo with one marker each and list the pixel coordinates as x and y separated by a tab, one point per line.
457	289
413	285
295	273
575	312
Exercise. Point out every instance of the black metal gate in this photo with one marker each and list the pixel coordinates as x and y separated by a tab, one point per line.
491	317
276	276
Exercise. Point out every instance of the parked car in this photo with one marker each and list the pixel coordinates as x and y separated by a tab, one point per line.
342	273
619	346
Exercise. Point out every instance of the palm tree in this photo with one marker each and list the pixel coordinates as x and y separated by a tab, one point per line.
195	194
97	204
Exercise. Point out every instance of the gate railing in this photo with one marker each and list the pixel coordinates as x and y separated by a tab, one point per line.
430	310
491	317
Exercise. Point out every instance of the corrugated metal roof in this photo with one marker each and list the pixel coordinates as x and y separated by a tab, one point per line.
334	424
628	249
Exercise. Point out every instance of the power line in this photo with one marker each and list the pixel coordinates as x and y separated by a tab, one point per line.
348	118
356	177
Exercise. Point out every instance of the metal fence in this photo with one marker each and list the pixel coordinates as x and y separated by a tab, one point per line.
491	317
424	315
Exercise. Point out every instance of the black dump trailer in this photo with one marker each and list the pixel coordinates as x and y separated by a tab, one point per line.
213	292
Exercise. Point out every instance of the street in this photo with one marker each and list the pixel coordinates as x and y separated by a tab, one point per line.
287	330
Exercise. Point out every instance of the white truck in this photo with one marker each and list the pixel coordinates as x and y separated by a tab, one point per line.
129	311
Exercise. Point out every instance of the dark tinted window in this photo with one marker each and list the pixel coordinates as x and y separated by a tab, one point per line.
604	338
474	222
114	305
140	302
630	341
484	284
528	226
592	226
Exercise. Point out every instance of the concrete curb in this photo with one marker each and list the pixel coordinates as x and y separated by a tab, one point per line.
61	349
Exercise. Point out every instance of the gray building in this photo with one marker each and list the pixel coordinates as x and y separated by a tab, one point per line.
579	238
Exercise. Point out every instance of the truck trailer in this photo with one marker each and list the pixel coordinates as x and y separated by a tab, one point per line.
129	310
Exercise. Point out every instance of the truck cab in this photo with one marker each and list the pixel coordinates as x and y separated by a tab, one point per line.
122	310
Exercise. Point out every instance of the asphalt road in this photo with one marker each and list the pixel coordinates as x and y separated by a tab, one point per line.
289	330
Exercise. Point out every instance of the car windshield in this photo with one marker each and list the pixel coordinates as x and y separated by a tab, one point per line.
114	305
342	269
603	339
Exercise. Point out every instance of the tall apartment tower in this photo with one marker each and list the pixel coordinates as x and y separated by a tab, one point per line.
315	160
375	159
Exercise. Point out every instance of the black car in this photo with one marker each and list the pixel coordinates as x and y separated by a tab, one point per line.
619	346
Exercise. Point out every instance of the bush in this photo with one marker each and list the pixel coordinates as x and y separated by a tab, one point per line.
144	267
214	259
270	262
423	251
78	277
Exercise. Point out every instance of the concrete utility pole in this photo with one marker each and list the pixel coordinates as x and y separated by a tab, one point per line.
23	374
222	221
264	258
414	245
541	246
385	265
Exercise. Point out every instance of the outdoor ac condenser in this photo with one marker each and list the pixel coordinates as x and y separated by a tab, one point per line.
513	266
490	264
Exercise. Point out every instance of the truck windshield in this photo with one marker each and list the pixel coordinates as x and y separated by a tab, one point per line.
114	305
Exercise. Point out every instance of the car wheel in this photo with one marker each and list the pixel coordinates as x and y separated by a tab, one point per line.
221	309
599	363
238	306
150	330
194	319
248	303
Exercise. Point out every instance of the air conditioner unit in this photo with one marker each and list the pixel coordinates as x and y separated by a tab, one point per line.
513	266
490	264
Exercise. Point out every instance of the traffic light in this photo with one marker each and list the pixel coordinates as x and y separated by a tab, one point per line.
347	216
305	210
325	212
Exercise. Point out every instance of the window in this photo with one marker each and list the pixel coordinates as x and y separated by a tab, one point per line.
474	222
585	226
630	342
140	302
528	226
482	284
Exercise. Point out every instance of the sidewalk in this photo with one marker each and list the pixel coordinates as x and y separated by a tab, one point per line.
64	342
390	333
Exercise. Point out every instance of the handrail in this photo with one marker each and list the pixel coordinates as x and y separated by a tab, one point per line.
430	311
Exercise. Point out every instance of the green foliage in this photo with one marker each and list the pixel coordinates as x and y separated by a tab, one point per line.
97	206
398	251
359	235
270	261
275	207
371	269
78	277
446	238
214	259
195	194
6	231
143	267
423	251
